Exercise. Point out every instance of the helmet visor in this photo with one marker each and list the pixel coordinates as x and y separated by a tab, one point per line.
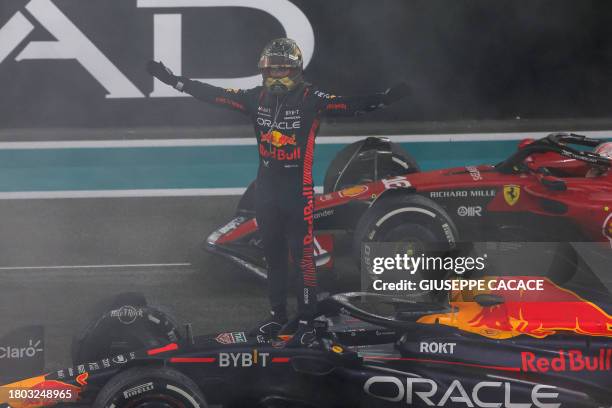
279	61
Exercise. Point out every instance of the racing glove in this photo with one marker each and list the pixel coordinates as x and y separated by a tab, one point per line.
164	74
396	92
304	336
271	326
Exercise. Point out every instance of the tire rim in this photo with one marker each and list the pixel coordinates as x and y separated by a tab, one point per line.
408	238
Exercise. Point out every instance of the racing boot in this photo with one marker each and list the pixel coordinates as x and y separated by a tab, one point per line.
304	335
271	326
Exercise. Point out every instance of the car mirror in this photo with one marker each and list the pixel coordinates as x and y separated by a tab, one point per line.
549	181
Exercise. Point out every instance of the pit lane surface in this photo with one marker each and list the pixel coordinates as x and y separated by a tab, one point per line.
60	257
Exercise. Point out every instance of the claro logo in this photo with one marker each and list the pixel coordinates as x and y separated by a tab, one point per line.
425	391
29	350
71	43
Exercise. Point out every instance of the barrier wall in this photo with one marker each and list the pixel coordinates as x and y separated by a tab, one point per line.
75	63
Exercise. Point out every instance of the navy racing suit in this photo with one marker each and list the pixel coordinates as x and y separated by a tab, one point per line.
286	126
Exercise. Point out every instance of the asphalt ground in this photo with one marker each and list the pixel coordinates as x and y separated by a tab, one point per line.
60	257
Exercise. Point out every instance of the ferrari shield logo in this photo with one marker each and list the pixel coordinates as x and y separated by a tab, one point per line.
512	194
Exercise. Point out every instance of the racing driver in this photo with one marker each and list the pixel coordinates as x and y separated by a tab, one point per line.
285	112
604	150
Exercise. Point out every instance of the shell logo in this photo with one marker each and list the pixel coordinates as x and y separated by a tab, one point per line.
353	191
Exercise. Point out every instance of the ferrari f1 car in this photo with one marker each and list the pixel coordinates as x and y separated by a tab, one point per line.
550	190
550	348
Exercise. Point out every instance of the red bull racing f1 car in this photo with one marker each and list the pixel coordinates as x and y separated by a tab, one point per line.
555	189
490	349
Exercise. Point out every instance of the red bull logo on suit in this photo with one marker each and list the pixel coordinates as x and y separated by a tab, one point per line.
277	139
273	145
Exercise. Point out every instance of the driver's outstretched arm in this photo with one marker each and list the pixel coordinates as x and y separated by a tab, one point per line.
332	105
235	99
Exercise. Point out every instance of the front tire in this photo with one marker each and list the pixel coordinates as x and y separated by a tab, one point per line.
412	225
144	387
365	161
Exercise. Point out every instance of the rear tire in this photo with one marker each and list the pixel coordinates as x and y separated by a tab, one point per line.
140	326
564	264
142	387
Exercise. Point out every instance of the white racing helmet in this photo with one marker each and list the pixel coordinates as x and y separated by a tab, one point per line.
604	150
